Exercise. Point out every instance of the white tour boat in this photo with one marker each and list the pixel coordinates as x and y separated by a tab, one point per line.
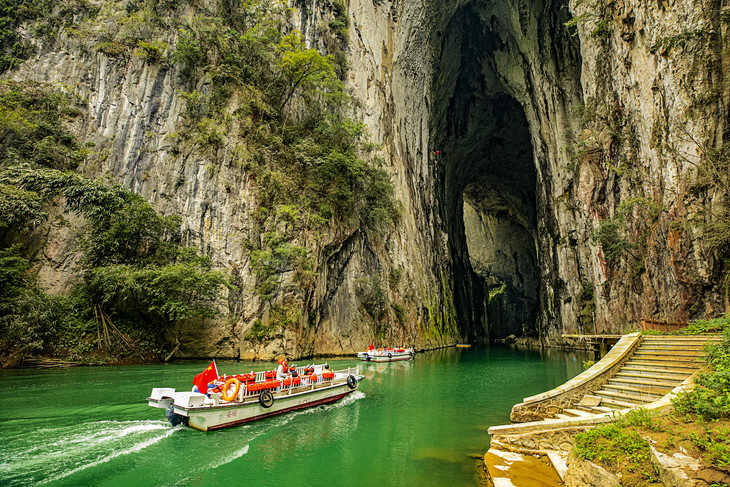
386	354
249	397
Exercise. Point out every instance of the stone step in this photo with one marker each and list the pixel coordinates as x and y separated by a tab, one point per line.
587	409
692	352
648	381
679	359
614	404
577	413
602	409
681	338
629	399
694	346
668	356
653	374
649	394
691	355
663	366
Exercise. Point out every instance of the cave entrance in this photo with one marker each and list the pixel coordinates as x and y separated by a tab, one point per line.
488	184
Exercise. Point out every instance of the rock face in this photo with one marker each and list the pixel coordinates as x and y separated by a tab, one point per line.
582	473
566	145
511	129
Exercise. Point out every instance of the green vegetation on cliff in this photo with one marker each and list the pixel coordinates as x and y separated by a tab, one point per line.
289	113
284	104
257	95
136	277
692	211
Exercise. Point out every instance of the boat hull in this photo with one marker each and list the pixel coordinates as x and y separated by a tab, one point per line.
225	416
394	358
375	356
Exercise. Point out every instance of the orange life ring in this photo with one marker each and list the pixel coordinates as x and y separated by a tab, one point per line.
226	387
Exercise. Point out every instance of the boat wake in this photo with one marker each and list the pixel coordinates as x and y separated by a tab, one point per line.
51	454
229	458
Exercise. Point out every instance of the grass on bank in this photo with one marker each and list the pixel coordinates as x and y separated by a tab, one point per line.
698	423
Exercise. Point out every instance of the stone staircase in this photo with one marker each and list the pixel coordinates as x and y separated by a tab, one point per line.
657	366
639	371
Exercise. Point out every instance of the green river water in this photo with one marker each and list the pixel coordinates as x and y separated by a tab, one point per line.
417	423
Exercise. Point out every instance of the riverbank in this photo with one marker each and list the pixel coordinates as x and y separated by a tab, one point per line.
666	448
101	358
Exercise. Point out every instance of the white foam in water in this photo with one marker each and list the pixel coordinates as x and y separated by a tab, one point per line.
229	458
355	396
113	430
133	449
82	446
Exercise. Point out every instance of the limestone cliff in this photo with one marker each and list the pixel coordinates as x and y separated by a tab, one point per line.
570	147
514	132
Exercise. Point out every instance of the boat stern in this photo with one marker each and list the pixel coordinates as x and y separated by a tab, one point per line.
161	397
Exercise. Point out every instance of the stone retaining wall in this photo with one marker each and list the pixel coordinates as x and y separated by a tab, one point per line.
548	404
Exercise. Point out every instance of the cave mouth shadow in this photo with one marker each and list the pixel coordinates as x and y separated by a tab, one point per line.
488	185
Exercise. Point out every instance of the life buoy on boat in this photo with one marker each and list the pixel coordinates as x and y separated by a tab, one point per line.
227	387
266	399
351	381
390	355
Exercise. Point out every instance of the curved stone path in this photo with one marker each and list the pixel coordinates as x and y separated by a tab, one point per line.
639	371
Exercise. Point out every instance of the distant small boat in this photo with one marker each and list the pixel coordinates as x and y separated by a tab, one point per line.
386	354
462	345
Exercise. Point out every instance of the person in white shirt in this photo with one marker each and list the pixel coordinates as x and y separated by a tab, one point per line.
282	371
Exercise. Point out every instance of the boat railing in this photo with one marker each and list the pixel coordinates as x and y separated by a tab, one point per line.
349	371
265	382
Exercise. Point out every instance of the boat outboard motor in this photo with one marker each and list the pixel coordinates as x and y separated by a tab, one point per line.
174	418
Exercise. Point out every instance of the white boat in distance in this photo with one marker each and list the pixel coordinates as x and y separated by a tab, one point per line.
249	397
386	354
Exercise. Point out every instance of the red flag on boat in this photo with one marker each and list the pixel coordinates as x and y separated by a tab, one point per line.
371	347
202	379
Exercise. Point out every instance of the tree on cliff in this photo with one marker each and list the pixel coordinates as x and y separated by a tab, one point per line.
306	70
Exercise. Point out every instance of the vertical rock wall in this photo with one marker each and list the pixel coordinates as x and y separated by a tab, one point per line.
620	98
660	69
513	60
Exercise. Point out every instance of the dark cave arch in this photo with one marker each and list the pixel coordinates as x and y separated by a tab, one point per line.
488	182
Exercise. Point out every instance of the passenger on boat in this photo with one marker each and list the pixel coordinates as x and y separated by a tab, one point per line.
309	369
282	371
293	371
212	387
